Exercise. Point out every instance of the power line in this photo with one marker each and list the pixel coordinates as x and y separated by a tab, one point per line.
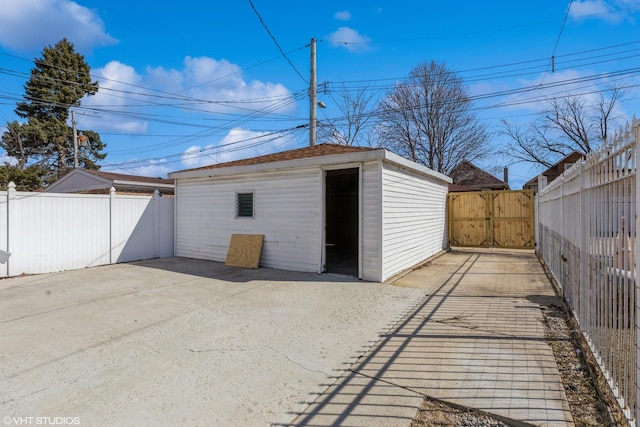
555	46
244	68
163	99
284	55
623	73
186	101
261	140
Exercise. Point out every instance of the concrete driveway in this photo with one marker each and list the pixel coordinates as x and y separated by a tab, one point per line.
476	341
182	342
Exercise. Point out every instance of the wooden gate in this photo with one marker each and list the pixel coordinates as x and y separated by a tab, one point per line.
491	219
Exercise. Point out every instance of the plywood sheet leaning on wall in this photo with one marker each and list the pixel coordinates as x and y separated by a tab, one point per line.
244	250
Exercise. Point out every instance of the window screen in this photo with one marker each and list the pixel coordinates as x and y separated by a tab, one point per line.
244	205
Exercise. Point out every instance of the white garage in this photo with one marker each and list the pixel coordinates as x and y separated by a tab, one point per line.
328	208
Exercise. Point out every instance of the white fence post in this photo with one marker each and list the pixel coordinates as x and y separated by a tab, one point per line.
563	254
585	238
156	223
175	217
112	207
11	216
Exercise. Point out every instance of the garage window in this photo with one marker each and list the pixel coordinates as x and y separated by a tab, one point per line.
244	205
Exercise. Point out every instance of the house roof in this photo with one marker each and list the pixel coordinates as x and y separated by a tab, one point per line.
129	178
454	188
556	170
300	153
85	180
318	155
467	175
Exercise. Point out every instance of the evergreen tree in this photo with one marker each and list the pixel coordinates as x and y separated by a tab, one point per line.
58	82
27	179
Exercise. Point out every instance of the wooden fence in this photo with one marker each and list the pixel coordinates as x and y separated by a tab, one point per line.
492	219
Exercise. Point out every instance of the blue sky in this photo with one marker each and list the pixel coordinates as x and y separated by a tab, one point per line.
192	83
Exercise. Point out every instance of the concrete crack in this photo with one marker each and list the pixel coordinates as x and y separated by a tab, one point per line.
218	350
25	395
296	363
458	320
505	420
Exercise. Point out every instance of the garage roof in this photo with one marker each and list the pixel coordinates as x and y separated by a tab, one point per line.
300	153
317	155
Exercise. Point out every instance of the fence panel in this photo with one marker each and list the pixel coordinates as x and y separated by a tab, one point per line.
468	219
513	222
47	232
587	237
491	219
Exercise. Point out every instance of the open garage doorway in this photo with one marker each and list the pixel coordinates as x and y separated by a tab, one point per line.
341	221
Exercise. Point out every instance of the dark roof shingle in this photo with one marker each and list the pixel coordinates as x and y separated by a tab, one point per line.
466	174
124	177
299	153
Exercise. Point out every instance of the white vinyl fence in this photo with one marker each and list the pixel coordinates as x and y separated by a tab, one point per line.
587	236
48	232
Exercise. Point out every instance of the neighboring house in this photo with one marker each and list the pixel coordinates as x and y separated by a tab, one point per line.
553	172
468	177
326	208
98	182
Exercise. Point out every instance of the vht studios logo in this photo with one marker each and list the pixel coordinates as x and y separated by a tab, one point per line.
41	421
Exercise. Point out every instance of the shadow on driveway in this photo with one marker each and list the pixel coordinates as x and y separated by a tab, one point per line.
476	340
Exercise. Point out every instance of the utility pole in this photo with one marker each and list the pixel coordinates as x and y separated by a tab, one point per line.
75	139
313	95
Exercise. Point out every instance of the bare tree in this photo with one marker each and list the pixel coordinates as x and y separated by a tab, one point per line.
355	125
428	118
397	130
568	124
529	147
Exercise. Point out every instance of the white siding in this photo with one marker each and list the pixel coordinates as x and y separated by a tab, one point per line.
288	212
371	220
403	217
413	211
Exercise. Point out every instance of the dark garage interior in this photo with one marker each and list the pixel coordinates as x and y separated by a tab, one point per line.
341	226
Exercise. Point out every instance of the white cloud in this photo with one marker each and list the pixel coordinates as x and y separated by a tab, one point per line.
33	24
343	15
238	144
612	11
201	81
350	39
196	156
153	168
581	9
115	94
210	79
170	80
